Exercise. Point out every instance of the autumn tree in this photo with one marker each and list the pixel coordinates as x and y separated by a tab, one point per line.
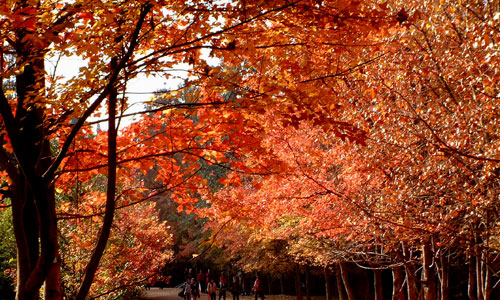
285	53
421	183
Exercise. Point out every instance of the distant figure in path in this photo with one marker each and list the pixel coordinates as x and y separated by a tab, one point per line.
201	280
212	289
257	288
235	288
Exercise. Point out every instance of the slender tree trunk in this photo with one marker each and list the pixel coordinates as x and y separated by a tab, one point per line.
411	284
471	287
378	285
398	291
298	282
308	283
445	278
110	198
479	277
340	285
428	274
328	283
345	280
487	285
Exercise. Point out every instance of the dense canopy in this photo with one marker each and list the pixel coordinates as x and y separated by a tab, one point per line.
318	132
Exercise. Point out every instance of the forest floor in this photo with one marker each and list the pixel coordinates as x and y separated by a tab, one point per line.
171	294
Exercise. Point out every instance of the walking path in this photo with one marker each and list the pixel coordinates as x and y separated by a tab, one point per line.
161	294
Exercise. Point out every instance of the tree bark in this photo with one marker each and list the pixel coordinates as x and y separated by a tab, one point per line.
411	284
328	283
428	274
445	278
479	277
340	286
34	213
398	291
308	283
378	285
345	280
109	212
471	287
298	283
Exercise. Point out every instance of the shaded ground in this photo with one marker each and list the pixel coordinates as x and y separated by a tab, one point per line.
171	294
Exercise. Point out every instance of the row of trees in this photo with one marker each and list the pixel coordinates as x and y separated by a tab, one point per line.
412	187
345	131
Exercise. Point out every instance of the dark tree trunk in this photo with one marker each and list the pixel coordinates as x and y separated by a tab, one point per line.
109	211
282	285
345	280
398	291
411	284
328	284
340	285
445	278
471	287
308	283
378	285
428	273
298	283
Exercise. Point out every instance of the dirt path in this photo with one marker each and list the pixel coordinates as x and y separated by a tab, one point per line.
161	294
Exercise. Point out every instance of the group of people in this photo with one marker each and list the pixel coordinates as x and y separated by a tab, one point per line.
205	283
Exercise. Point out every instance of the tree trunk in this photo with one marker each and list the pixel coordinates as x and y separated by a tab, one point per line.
308	283
328	284
298	283
428	274
378	285
445	278
471	287
53	283
33	201
479	277
109	211
398	291
340	286
345	280
411	284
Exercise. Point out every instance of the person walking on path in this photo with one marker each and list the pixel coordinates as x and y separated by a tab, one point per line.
222	287
235	288
257	288
187	290
212	289
195	289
